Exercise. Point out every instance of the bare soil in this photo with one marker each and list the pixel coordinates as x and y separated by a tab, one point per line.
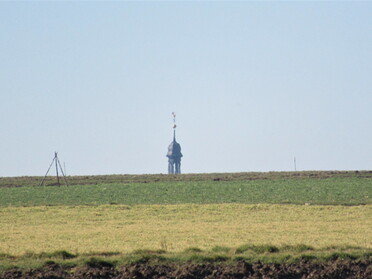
339	269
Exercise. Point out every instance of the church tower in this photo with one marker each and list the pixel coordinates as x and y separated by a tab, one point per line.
174	152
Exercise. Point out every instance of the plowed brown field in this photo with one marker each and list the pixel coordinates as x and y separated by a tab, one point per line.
339	269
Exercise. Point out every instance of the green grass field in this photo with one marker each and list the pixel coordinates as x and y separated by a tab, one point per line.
329	191
188	217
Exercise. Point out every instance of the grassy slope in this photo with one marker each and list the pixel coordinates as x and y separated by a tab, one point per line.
332	191
217	254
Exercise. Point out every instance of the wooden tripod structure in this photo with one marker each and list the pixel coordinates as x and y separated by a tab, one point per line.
57	164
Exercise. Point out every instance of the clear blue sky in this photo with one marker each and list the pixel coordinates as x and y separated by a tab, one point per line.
254	84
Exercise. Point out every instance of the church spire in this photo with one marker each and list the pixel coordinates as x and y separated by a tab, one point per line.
174	152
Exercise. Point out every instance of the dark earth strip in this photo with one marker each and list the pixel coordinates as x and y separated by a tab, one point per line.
151	178
339	269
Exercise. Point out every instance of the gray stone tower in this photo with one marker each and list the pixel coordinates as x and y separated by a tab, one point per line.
174	152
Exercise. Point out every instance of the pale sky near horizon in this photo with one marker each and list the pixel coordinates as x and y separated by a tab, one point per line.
253	84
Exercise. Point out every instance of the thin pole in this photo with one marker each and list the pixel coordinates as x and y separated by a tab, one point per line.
56	159
295	167
42	182
64	176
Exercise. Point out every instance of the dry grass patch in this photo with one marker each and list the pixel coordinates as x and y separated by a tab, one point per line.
174	228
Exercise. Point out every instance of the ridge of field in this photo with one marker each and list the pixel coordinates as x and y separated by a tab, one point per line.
327	191
267	254
150	178
123	228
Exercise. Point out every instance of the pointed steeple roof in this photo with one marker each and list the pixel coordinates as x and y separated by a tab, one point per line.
174	148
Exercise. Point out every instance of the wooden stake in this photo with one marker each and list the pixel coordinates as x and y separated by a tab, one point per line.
295	167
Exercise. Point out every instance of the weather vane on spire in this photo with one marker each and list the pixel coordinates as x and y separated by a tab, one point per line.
174	120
